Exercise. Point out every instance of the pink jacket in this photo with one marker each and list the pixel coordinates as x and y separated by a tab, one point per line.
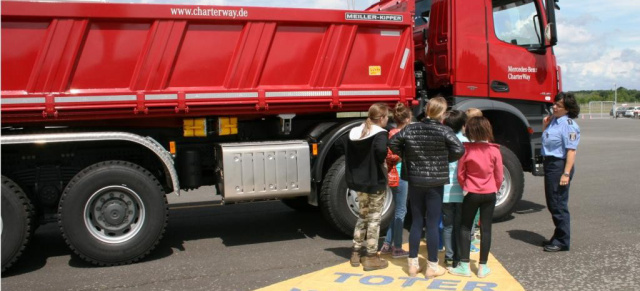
480	168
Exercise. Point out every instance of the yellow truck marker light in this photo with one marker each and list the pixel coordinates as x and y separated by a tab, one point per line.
172	147
227	125
314	149
194	127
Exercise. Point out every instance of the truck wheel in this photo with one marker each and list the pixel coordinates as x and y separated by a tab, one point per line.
15	225
510	191
299	204
113	213
339	204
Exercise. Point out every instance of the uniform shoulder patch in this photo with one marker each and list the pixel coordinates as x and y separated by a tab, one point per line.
572	136
570	121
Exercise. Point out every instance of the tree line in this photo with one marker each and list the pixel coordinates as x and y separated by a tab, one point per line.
624	95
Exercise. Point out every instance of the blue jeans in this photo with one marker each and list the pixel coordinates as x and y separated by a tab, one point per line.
452	220
395	229
426	202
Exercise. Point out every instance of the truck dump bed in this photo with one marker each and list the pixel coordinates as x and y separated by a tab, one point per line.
66	61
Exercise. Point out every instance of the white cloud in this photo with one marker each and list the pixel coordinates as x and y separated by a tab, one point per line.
577	43
574	34
329	4
610	8
615	66
591	58
598	44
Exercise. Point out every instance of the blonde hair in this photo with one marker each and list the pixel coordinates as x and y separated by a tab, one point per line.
473	112
401	113
376	112
436	107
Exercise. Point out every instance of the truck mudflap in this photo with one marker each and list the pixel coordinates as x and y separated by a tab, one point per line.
263	170
151	144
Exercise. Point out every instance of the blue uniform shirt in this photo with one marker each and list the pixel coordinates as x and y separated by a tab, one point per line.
562	133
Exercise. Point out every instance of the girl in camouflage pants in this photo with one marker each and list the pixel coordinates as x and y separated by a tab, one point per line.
366	150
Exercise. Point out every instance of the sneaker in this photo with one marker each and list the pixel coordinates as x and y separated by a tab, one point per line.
461	270
374	262
483	270
448	263
385	249
474	249
414	266
434	270
398	253
355	258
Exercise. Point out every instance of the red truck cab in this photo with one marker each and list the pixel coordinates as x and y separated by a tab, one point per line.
501	53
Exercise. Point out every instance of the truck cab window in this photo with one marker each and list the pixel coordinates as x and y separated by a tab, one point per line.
517	22
422	6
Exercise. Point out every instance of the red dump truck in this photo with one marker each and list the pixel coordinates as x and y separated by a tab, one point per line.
107	108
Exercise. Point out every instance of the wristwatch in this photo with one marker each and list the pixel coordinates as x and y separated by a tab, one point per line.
566	174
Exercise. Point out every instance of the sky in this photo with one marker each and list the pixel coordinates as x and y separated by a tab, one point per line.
598	41
599	44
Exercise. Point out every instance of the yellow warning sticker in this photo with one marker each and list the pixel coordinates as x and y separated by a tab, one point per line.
396	277
375	70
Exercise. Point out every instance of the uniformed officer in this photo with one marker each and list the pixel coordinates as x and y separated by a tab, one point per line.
559	144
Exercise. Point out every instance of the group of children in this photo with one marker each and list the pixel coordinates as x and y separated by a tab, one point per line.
416	158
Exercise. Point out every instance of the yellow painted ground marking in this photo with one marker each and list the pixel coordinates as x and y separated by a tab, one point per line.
395	277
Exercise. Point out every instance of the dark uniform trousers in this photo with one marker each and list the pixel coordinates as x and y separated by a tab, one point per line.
557	200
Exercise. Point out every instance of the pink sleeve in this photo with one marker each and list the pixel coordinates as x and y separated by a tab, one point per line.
498	169
462	171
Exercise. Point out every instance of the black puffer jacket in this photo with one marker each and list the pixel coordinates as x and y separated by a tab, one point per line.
426	148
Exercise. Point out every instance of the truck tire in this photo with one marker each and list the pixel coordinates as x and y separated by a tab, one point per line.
300	204
16	222
510	191
113	213
339	204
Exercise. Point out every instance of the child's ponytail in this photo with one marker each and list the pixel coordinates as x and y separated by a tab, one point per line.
376	112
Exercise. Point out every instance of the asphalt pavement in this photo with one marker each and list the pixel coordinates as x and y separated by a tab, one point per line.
249	246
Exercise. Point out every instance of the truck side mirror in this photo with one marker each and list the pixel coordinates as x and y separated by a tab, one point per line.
550	31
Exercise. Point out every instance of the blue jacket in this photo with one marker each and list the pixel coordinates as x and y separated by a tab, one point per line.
453	191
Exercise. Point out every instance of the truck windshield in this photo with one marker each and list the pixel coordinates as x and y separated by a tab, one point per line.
517	22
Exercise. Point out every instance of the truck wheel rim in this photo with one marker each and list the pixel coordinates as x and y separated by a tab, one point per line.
354	205
114	214
505	188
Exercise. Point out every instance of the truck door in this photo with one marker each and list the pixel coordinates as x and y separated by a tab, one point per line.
519	66
438	49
